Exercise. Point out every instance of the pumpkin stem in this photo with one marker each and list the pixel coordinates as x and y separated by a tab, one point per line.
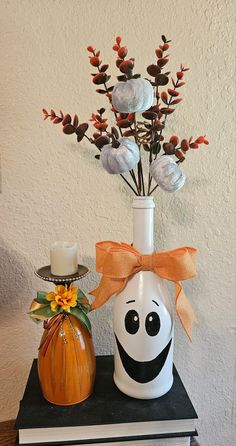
115	142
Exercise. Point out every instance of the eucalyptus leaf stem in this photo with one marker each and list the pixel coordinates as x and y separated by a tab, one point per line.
160	134
89	139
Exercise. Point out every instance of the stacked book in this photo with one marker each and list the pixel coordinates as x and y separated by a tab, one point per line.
108	417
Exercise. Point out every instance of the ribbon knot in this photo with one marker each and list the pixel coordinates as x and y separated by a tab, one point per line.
118	262
146	262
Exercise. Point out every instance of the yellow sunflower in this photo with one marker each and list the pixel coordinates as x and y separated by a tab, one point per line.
63	297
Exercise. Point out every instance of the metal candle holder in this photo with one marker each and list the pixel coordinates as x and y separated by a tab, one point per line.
44	273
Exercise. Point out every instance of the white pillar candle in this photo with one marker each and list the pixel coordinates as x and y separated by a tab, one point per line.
63	258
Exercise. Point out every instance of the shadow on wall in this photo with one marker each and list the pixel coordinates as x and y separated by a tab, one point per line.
20	335
15	281
101	318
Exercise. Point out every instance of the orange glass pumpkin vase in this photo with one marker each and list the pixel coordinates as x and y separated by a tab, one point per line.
66	360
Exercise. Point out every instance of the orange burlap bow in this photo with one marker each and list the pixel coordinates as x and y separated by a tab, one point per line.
119	261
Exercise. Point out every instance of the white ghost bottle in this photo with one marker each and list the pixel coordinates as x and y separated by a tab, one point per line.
143	321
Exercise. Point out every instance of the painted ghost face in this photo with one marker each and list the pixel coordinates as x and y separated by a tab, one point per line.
143	330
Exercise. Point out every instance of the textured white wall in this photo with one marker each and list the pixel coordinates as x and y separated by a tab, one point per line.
52	188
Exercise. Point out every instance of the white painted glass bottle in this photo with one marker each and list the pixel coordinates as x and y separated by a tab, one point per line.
143	321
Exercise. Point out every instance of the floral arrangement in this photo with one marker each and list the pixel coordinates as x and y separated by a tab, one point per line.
64	300
123	144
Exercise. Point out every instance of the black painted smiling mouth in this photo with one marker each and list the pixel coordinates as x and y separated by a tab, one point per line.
145	371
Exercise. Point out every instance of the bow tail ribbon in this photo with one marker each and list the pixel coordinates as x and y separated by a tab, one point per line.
52	326
107	288
184	310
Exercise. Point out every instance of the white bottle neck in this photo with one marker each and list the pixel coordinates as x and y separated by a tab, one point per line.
143	222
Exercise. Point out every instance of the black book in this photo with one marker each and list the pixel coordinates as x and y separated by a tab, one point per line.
106	416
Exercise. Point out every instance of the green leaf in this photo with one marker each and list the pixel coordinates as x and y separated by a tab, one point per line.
36	321
80	294
84	307
81	316
44	311
41	297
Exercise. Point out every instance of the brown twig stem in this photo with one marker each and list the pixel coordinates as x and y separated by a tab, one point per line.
139	166
131	187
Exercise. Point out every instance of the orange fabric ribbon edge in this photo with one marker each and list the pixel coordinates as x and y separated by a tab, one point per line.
117	262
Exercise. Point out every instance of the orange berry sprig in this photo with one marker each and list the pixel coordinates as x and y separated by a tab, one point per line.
171	147
100	123
148	132
156	70
154	114
100	78
171	96
125	65
69	125
124	121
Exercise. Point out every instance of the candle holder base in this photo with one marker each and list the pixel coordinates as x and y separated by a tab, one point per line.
44	273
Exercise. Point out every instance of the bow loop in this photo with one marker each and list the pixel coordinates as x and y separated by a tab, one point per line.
119	261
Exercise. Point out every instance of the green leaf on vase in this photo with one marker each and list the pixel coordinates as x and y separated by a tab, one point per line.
81	316
80	294
41	297
35	320
85	307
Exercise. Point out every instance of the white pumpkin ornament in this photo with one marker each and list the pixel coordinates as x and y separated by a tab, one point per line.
134	95
167	174
122	158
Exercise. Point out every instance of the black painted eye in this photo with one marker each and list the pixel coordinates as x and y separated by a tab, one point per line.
132	322
152	323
